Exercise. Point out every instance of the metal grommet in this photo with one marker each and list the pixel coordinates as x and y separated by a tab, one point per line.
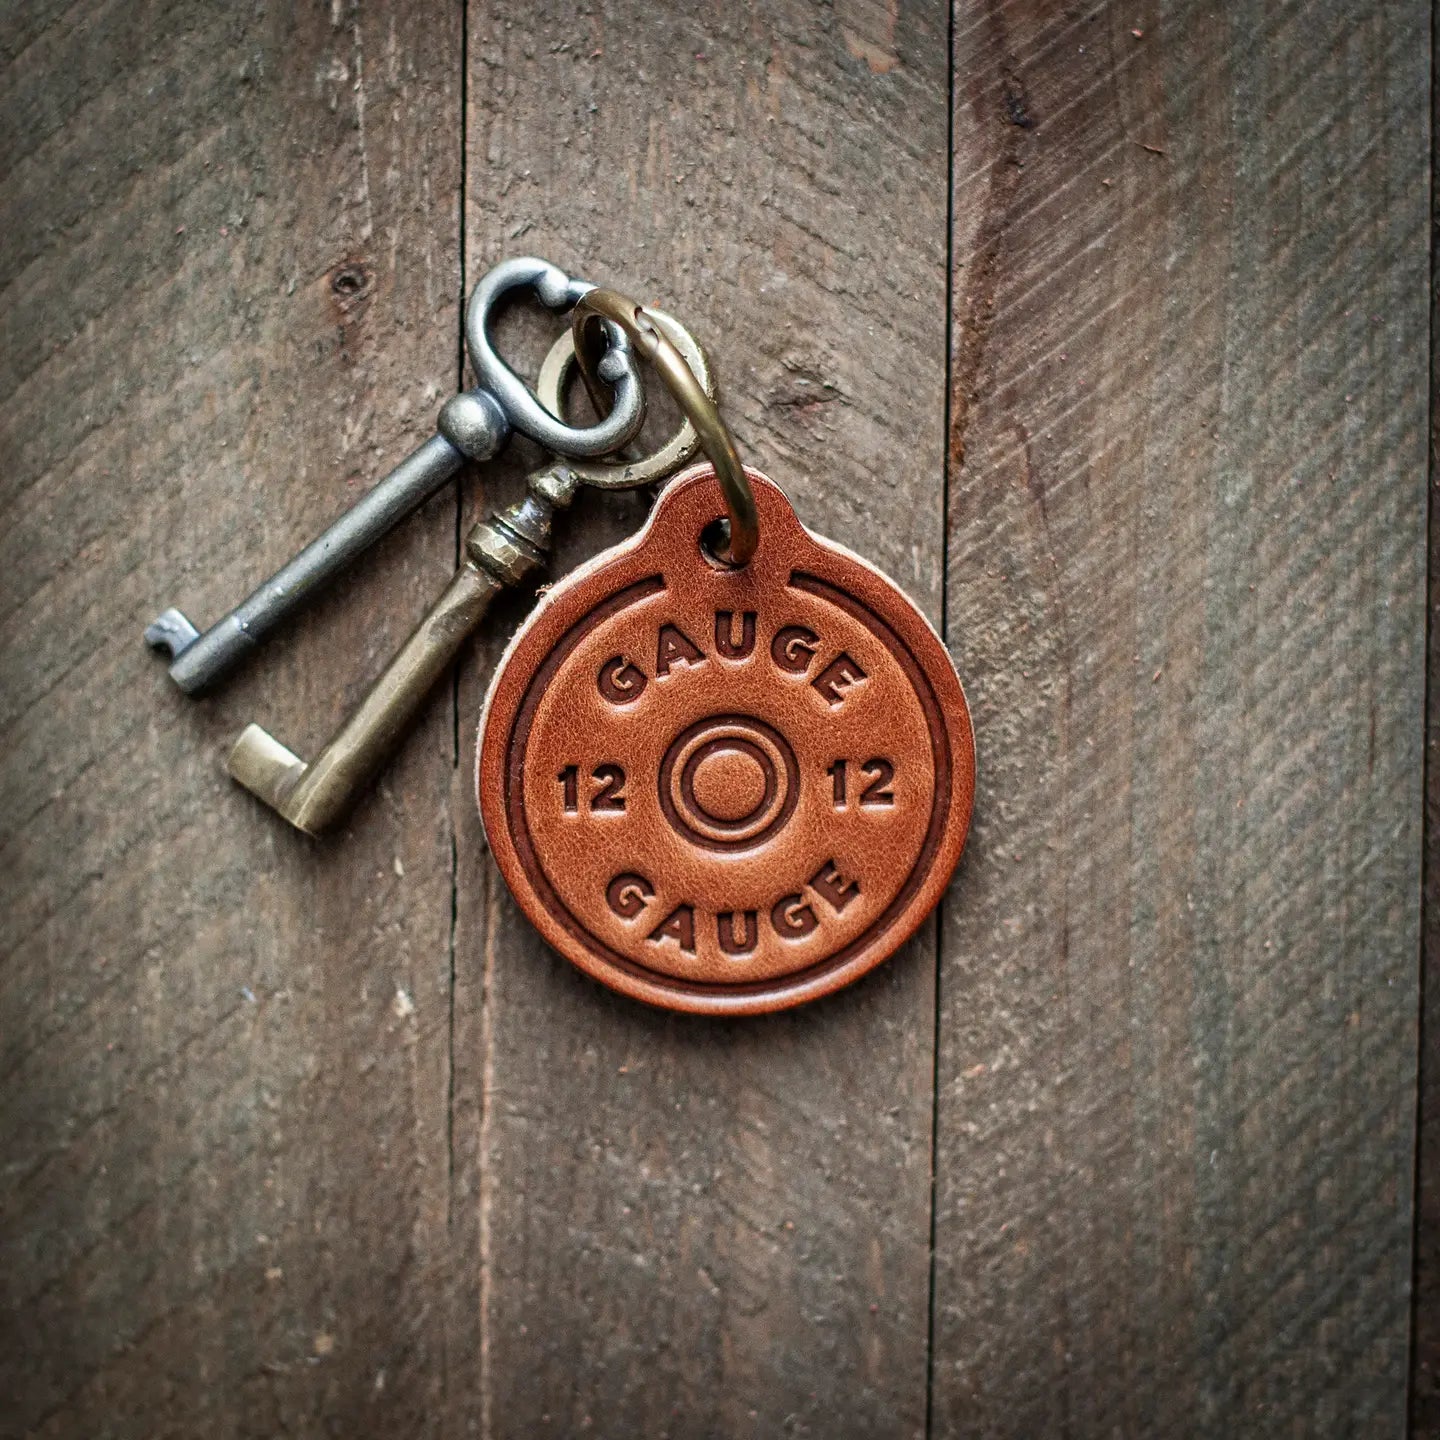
662	463
699	407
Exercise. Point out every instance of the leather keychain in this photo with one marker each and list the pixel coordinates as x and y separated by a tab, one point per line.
724	776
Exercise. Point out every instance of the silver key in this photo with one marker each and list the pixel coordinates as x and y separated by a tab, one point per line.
473	425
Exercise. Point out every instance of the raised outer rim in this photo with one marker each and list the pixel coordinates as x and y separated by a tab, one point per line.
575	596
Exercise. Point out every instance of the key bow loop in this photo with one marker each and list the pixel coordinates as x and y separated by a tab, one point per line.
559	292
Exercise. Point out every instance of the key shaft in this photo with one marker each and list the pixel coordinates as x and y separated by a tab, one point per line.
201	659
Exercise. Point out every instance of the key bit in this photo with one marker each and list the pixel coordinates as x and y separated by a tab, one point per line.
499	552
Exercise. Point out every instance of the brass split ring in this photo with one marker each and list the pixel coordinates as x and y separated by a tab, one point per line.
690	394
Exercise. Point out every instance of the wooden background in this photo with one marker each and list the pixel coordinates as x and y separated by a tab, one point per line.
1105	328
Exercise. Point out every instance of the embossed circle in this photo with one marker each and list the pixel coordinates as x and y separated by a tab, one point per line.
706	742
719	790
730	782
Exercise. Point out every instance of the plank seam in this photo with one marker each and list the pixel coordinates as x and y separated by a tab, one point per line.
945	463
455	685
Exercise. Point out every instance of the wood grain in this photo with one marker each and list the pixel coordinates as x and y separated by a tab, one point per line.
230	280
1187	557
1425	1301
686	1227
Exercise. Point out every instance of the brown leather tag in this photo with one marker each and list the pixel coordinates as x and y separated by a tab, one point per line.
726	791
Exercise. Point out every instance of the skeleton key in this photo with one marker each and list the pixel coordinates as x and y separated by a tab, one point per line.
474	424
500	551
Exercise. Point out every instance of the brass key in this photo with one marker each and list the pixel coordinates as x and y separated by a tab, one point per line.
500	551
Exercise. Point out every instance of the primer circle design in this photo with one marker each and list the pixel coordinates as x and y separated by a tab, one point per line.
729	782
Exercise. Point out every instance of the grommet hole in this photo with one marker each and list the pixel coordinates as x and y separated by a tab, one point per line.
715	544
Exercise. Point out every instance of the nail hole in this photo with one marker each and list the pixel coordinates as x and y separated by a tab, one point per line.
349	281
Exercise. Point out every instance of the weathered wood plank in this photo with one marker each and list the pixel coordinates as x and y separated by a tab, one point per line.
224	1131
1425	1302
1178	998
677	1227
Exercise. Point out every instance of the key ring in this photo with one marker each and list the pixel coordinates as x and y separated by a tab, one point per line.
699	409
622	474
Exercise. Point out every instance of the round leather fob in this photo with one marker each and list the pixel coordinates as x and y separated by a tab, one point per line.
726	790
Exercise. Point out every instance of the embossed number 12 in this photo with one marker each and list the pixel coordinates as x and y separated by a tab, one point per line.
609	798
875	795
